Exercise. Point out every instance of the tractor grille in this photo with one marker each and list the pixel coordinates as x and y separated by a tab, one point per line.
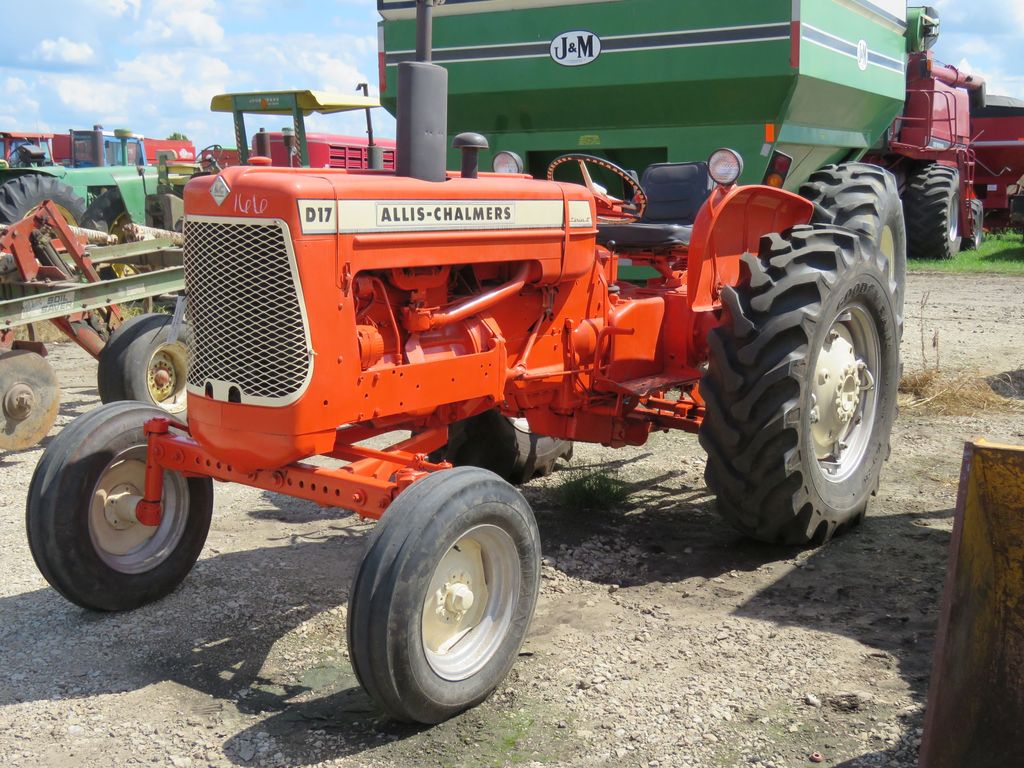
245	312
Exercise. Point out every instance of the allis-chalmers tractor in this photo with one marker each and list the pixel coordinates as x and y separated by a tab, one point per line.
328	307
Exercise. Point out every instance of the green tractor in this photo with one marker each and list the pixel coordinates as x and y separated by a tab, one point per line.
101	175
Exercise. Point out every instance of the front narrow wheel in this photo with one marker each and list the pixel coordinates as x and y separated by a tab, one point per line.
140	362
444	595
80	514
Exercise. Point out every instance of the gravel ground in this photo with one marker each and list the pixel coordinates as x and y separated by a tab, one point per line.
661	639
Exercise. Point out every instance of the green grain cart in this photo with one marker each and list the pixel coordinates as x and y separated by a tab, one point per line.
648	81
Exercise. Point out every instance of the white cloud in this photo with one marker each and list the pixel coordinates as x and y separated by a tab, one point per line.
118	7
19	99
185	21
64	50
93	96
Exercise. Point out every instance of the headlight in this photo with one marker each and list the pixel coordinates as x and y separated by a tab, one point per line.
725	167
507	162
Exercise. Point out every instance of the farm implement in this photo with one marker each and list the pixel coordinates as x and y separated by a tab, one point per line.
329	307
52	272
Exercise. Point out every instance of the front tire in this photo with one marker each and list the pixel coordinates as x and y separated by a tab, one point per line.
931	205
801	385
107	213
140	362
80	520
974	242
444	595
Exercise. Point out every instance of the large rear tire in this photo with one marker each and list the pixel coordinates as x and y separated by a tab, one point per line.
800	389
443	598
80	514
866	199
23	194
504	446
931	205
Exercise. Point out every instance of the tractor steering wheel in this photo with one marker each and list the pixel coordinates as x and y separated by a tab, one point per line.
213	163
610	210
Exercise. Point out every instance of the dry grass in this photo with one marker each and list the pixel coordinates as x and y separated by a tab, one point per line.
960	393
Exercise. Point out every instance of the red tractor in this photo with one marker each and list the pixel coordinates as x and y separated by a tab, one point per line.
426	302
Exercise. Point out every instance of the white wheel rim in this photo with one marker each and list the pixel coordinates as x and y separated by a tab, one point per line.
468	607
954	218
120	541
844	393
166	375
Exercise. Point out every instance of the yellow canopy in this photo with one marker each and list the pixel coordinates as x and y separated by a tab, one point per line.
282	102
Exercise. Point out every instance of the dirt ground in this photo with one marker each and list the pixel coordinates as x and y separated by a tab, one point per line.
661	638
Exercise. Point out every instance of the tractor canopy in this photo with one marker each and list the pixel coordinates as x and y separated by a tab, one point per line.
298	104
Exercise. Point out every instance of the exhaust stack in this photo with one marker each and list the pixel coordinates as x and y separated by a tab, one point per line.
422	127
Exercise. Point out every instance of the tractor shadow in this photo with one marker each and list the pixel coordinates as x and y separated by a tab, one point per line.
230	631
879	584
227	633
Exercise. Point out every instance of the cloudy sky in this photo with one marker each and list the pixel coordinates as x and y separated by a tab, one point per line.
152	65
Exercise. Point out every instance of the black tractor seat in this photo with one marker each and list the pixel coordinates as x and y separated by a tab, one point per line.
675	192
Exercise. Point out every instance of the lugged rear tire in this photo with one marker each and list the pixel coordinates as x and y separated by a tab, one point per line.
931	206
22	194
762	384
866	199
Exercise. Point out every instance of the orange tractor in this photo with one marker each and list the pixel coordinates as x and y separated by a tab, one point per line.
426	301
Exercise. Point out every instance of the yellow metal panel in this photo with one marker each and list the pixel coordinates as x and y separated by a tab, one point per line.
323	102
975	713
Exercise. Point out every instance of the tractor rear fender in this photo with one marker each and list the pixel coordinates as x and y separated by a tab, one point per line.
731	223
134	188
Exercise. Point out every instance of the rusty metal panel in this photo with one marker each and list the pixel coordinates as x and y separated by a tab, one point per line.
975	713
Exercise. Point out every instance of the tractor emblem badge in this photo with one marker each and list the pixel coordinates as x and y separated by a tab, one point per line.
219	190
574	49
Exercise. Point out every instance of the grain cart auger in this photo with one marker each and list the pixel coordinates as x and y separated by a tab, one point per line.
411	301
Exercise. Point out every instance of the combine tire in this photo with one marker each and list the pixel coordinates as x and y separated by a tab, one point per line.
444	595
504	446
23	194
107	213
866	199
80	514
140	363
974	242
801	385
931	204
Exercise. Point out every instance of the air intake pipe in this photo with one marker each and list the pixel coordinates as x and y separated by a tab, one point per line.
422	127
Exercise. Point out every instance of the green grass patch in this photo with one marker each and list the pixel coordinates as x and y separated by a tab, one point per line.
1001	253
590	489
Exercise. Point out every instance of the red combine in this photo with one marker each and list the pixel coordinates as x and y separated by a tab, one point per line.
999	148
183	149
326	150
929	150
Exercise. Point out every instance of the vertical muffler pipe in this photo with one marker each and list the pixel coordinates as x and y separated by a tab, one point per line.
422	127
99	150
